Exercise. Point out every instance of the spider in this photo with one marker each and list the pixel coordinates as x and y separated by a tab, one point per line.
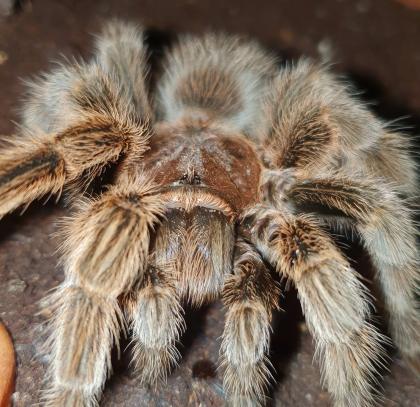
235	173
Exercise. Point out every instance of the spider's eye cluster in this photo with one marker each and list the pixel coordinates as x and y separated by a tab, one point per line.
190	179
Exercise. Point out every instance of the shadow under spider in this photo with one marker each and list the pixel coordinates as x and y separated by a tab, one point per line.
285	339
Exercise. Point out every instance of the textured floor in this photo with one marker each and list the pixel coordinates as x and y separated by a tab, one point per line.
375	42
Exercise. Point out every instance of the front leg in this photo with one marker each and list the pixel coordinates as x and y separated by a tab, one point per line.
155	315
250	295
106	250
384	222
334	302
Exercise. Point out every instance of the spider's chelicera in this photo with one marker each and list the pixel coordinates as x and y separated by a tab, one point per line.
238	165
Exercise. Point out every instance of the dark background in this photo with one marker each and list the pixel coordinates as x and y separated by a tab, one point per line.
375	43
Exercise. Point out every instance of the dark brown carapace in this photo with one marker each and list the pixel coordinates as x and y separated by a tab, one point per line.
207	179
238	170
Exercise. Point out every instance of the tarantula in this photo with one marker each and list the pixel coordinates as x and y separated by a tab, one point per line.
238	170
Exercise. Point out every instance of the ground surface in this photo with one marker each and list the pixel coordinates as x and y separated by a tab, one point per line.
376	42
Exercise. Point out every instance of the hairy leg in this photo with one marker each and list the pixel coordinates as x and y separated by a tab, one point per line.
156	318
334	302
120	50
317	129
106	251
30	168
76	121
385	223
250	295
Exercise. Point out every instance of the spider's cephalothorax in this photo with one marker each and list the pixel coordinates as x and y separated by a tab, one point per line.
237	166
206	178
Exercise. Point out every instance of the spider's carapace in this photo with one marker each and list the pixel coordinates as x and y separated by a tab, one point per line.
203	159
207	179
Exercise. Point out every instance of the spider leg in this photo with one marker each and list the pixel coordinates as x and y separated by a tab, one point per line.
385	224
76	121
250	295
318	129
315	123
156	318
106	251
120	50
334	301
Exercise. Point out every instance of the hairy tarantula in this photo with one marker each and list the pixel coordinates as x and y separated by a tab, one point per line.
238	170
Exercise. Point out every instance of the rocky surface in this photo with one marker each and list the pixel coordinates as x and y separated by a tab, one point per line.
376	42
